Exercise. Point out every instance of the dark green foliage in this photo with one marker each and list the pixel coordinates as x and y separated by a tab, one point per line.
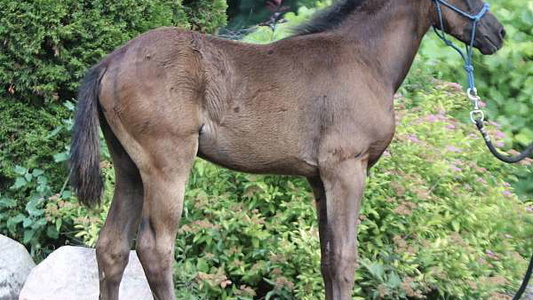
41	216
33	142
26	140
205	16
48	45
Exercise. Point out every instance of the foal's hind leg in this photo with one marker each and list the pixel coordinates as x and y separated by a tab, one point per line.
338	192
114	243
164	185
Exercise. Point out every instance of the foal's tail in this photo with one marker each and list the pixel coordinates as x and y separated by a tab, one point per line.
85	175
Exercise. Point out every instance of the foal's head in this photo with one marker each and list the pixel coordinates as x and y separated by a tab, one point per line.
489	32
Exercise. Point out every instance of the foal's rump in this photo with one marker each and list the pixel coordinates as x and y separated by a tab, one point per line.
151	93
148	92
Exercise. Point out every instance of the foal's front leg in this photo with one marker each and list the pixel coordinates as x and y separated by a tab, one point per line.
338	191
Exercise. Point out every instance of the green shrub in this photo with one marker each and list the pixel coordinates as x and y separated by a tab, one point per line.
36	207
27	138
48	45
469	226
24	141
42	218
206	16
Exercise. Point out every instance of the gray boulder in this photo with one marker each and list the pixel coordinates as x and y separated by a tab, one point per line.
15	266
72	273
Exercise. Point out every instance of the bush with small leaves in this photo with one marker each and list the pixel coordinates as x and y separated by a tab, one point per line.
47	46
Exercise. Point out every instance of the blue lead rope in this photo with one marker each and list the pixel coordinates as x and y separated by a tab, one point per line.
466	56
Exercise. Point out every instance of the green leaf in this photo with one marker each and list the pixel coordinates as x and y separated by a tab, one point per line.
66	194
42	180
28	177
37	172
376	270
70	106
202	265
19	182
456	226
39	223
17	219
28	235
55	132
31	206
58	224
52	232
7	202
525	137
27	222
20	170
60	157
394	280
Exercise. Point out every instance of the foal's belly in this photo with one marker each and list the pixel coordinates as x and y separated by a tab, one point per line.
257	149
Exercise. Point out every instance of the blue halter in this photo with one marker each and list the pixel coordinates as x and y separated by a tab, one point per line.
466	56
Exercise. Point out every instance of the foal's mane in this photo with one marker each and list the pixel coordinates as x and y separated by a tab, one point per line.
330	18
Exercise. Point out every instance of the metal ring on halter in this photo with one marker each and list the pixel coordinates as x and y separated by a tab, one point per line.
477	115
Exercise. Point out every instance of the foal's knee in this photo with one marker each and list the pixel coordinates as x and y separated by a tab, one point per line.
346	270
112	259
340	267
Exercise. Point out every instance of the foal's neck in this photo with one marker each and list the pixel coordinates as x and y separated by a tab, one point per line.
390	31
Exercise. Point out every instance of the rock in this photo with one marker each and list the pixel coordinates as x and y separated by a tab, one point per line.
72	273
15	266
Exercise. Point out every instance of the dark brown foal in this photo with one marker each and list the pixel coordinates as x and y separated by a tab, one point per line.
318	104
